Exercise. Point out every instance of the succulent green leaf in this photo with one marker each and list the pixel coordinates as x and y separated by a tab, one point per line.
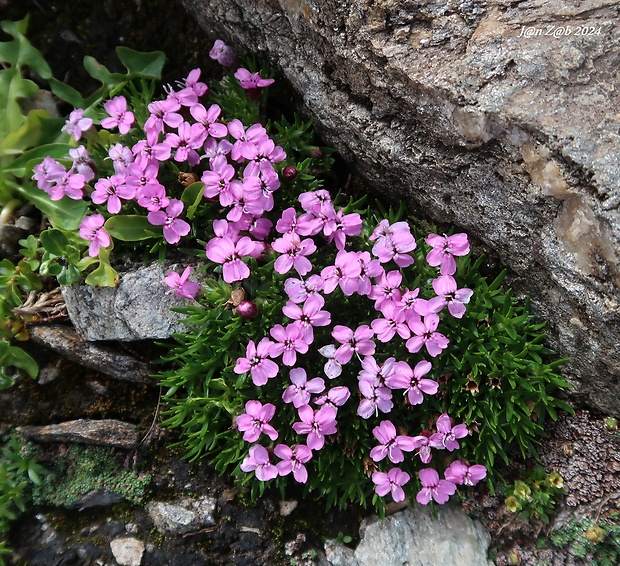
146	65
65	214
129	228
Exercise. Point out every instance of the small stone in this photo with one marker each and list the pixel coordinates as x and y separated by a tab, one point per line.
127	551
106	432
182	515
287	507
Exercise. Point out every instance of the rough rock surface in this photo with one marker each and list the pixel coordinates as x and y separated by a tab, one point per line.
104	359
127	551
414	537
182	515
106	432
137	309
498	116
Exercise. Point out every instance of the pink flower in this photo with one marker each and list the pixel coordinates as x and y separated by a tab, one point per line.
255	421
336	397
111	191
393	242
251	81
422	446
294	252
298	290
309	315
119	115
391	444
174	227
447	294
256	362
258	462
447	435
293	460
445	249
426	335
358	342
341	226
192	82
190	137
393	322
91	228
229	253
433	488
391	482
316	424
411	381
76	124
376	398
386	288
289	341
70	185
162	113
208	119
47	172
82	162
181	285
299	392
332	367
222	53
462	474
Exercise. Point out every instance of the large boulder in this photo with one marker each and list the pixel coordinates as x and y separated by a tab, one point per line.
497	116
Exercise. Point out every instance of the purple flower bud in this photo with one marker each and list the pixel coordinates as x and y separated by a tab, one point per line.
289	172
247	309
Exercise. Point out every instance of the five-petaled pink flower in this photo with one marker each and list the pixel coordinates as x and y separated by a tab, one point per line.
91	228
445	248
293	460
229	253
76	124
119	115
259	462
448	294
256	362
255	421
426	334
433	488
412	381
289	341
174	227
299	392
392	445
462	474
448	434
391	482
316	424
181	285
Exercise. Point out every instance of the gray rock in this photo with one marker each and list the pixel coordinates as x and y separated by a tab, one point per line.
97	498
104	359
105	432
127	551
477	117
415	538
137	309
182	515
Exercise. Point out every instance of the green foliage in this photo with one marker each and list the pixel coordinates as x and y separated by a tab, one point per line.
85	469
595	541
19	471
534	494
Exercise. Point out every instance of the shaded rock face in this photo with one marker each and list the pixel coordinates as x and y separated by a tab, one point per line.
499	117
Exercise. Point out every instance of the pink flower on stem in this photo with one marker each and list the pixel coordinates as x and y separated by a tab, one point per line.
229	253
190	137
372	371
256	362
152	197
222	53
255	421
316	424
336	397
294	252
391	444
376	398
91	229
298	290
445	248
217	181
119	115
393	322
293	460
386	288
426	335
448	295
309	315
353	342
300	391
422	446
174	227
82	162
462	474
162	113
251	81
341	226
447	435
412	382
181	285
393	242
192	82
289	341
433	488
259	462
47	172
76	124
346	266
208	119
362	284
110	191
332	367
391	482
69	185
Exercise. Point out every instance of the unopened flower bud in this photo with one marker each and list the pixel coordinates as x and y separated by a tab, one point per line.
316	153
247	309
289	172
